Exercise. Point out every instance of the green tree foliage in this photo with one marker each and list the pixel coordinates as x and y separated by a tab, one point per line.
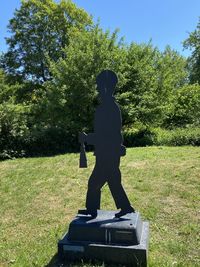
25	92
193	42
186	107
152	79
47	86
70	97
14	132
39	32
6	91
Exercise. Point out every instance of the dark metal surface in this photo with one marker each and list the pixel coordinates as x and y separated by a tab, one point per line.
98	234
108	250
107	229
108	144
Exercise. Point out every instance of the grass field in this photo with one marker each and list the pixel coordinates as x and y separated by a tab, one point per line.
40	196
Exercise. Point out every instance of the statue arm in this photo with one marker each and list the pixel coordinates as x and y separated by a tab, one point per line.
90	139
87	138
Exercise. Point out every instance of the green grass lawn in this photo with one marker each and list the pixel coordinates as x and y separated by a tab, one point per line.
40	196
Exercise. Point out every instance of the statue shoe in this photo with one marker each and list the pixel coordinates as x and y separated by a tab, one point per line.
92	213
124	212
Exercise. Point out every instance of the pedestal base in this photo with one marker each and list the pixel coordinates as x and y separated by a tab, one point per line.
112	240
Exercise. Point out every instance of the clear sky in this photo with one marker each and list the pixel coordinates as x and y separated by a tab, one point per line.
163	21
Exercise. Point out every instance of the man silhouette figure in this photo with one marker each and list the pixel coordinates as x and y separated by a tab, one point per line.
107	140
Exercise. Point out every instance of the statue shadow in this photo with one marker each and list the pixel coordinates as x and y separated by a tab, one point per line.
101	222
57	262
54	262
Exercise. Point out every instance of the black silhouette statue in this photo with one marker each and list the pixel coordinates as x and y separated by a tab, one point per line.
112	237
107	140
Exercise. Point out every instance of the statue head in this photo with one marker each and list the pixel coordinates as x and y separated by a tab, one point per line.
106	83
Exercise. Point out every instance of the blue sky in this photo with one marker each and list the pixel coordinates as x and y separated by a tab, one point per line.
163	21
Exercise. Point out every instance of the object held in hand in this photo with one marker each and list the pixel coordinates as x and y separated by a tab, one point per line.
82	137
83	159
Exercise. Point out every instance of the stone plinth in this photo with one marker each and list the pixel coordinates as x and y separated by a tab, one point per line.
106	238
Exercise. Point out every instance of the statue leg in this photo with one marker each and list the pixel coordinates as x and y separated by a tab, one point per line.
117	190
95	183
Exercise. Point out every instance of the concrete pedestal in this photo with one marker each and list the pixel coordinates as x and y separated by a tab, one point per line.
106	238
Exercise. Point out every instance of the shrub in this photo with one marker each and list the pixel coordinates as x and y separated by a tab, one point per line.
45	141
13	130
139	135
186	107
177	137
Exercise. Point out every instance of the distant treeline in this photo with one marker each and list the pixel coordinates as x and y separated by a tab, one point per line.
47	83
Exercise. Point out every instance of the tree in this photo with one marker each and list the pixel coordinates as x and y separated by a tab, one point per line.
193	42
151	79
39	32
69	99
186	107
7	91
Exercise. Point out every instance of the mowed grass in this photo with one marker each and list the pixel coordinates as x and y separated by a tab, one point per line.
40	196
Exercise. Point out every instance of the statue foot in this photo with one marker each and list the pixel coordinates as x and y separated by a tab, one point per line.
124	212
92	213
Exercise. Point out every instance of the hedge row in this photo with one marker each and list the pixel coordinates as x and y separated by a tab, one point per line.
51	142
157	136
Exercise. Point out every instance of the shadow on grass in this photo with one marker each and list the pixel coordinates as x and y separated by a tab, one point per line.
54	262
57	262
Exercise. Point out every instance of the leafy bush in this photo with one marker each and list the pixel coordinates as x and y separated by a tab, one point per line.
177	137
186	107
50	141
139	135
57	83
142	136
13	130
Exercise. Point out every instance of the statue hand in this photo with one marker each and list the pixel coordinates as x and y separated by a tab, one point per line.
82	137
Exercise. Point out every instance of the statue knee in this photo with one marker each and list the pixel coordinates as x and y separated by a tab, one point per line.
94	185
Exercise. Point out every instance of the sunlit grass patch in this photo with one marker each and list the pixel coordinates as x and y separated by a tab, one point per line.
40	196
